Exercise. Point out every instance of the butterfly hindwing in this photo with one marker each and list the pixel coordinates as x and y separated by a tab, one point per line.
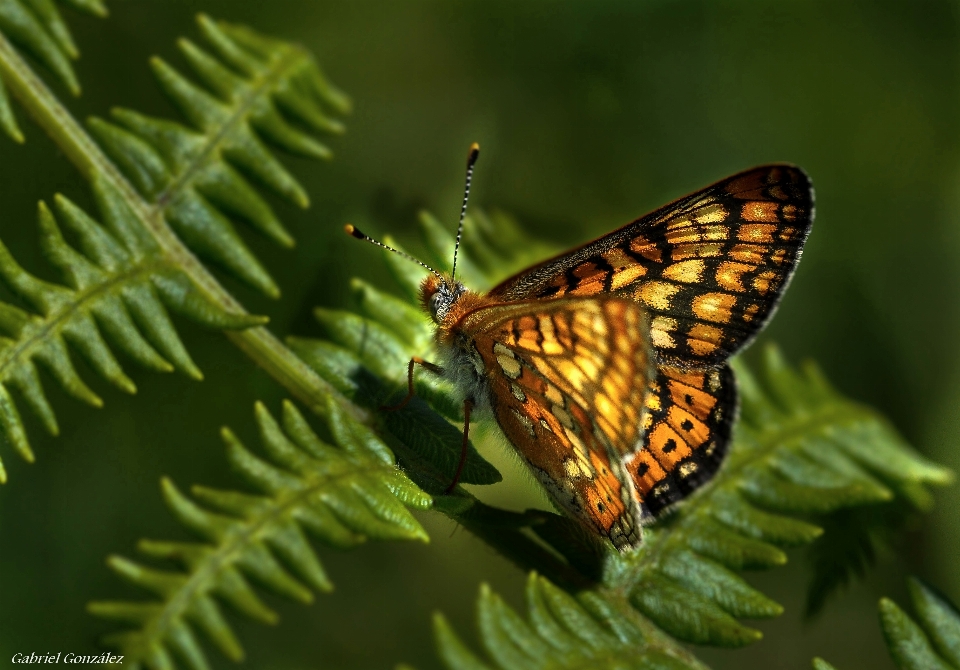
690	415
709	267
568	380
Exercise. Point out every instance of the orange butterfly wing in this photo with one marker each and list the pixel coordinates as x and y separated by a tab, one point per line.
709	267
568	380
690	416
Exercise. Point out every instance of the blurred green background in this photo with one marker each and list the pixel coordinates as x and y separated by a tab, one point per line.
590	114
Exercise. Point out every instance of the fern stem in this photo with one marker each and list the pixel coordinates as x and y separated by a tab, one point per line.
258	343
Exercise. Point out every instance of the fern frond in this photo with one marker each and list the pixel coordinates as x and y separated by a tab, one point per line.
118	289
342	495
199	174
39	29
561	631
8	122
930	641
195	170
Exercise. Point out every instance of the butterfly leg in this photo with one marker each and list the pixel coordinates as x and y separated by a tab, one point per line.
416	360
467	408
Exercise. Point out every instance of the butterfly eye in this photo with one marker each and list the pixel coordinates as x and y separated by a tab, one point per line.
435	304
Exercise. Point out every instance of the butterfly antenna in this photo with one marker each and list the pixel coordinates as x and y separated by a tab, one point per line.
353	231
471	161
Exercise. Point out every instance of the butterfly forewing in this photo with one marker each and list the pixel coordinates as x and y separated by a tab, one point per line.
568	381
709	267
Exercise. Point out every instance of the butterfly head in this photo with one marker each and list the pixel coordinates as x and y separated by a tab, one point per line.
438	294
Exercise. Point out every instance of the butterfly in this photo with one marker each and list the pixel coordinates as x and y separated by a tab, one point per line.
606	366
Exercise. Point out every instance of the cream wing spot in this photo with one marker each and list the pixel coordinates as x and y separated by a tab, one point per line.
525	421
507	360
553	395
562	416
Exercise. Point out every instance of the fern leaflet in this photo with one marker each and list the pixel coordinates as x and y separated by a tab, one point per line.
931	641
196	175
118	290
39	28
562	631
343	495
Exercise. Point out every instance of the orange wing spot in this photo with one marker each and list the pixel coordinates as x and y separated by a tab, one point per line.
563	332
646	472
590	279
642	246
695	379
750	312
667	446
679	224
763	280
747	253
758	233
686	235
694	431
692	399
714	306
713	233
787	233
625	269
660	330
778	193
778	256
657	294
550	345
728	275
618	259
604	512
688	272
560	285
627	276
789	212
683	251
703	339
745	185
714	213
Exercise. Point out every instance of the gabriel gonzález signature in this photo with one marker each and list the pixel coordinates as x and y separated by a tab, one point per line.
70	657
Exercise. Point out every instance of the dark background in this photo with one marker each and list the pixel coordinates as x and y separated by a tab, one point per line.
589	113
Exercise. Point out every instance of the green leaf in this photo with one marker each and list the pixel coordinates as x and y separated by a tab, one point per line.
929	642
201	175
117	290
342	495
560	631
8	122
38	28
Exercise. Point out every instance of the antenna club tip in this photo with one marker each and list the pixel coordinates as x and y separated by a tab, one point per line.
474	153
353	231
